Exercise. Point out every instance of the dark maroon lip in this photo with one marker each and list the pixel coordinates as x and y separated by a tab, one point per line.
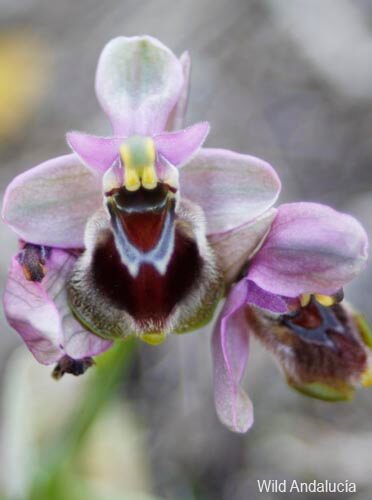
148	296
141	222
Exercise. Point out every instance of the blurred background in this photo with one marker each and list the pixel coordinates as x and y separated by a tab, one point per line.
289	81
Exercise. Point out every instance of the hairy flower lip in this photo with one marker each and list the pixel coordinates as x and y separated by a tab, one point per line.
328	370
147	300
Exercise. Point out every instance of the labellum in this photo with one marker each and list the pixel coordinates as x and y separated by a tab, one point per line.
320	348
147	269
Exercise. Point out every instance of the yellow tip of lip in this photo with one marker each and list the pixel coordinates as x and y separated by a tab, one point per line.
153	338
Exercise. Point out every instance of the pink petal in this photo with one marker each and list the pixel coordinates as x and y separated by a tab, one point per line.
138	83
230	352
39	312
177	117
235	247
50	204
179	147
311	248
97	153
29	310
233	189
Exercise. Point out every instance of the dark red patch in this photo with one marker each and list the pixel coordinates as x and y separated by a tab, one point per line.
142	214
308	317
340	354
143	230
150	295
345	359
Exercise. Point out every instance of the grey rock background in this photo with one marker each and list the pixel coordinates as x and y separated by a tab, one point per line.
289	81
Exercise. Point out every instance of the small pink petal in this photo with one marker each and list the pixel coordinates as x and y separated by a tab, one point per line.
179	147
97	153
230	345
311	248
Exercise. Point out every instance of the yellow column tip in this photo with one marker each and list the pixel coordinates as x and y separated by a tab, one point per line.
138	156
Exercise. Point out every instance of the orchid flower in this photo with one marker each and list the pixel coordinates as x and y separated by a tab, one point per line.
143	233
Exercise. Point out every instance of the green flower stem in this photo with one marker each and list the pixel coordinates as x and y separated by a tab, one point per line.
112	368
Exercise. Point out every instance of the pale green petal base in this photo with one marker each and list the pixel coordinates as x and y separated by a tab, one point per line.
324	392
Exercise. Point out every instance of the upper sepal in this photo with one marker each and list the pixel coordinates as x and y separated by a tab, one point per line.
176	118
138	83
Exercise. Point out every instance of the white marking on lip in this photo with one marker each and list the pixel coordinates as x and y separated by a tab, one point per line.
159	256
